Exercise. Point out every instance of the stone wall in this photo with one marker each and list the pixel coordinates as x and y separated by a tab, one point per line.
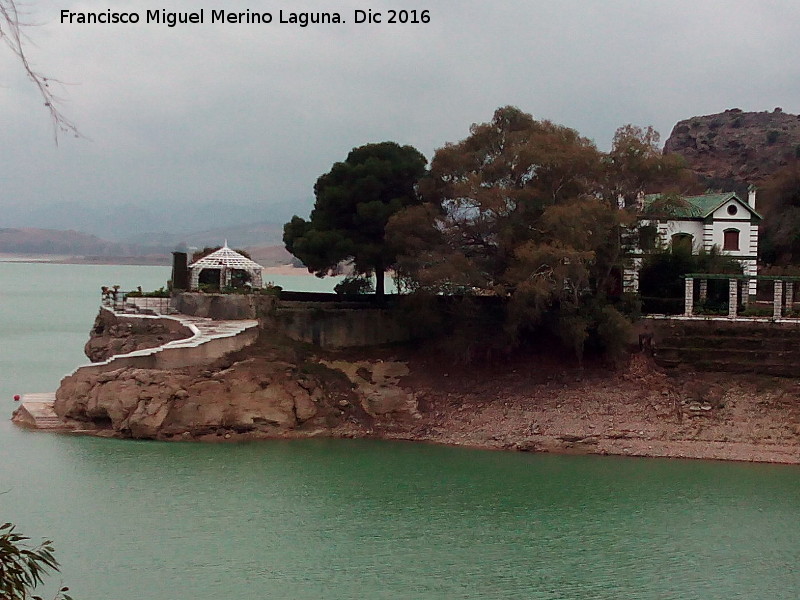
331	326
223	307
327	324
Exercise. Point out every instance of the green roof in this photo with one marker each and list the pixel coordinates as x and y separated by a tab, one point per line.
698	207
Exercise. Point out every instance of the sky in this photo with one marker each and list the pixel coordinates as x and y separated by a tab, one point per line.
221	123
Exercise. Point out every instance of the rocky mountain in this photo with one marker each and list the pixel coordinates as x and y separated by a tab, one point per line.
736	148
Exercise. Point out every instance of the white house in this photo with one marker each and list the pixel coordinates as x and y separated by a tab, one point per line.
722	220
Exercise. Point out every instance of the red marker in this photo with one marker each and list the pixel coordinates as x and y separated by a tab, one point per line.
16	397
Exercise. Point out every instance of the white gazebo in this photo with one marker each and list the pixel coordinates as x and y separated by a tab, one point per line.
226	261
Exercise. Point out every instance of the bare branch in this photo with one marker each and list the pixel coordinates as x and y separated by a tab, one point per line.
11	33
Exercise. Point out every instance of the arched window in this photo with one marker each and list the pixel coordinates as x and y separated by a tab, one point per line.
730	239
682	241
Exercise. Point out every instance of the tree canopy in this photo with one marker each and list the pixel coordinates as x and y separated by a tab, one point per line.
528	210
354	202
636	166
489	192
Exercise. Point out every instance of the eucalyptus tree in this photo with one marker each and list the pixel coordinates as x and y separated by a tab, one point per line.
515	210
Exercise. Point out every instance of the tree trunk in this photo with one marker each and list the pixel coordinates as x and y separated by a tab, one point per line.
379	273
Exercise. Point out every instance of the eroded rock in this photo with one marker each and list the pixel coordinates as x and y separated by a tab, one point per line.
112	334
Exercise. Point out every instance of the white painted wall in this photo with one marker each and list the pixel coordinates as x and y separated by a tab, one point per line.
693	228
748	232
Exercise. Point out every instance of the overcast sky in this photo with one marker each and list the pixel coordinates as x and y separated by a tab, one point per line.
247	114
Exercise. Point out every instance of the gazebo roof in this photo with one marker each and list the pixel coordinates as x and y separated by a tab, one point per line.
226	258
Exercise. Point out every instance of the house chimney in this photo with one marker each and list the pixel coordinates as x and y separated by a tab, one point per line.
180	269
751	196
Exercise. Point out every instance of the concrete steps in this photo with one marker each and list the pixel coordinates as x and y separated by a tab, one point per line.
769	349
205	332
36	411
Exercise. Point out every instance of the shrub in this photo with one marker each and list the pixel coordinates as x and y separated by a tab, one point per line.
661	281
772	137
22	566
613	332
354	285
159	293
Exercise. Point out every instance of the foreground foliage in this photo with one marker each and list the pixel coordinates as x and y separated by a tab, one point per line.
22	566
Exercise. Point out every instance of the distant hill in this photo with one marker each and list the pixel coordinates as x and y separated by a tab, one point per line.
125	222
272	256
256	234
74	243
735	148
86	248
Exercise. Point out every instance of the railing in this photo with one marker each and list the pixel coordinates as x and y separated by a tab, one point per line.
742	291
125	302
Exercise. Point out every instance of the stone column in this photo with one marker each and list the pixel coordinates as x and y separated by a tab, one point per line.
688	301
777	300
703	289
733	297
789	296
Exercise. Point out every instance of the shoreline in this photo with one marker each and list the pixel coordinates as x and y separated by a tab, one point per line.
533	401
638	411
739	452
280	270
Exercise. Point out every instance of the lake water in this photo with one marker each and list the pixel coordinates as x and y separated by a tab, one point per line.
363	519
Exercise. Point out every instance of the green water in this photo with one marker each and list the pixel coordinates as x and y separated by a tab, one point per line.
365	519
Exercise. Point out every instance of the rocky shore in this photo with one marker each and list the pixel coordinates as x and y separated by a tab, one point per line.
111	335
535	403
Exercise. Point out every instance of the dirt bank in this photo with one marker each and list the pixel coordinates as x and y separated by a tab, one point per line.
637	411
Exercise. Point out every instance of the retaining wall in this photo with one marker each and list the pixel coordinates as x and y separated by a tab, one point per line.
324	320
223	307
336	327
766	348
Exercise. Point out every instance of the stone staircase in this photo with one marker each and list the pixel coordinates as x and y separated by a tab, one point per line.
210	340
738	347
36	411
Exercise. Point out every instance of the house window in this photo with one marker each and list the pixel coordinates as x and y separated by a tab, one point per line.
682	241
647	237
730	239
732	210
